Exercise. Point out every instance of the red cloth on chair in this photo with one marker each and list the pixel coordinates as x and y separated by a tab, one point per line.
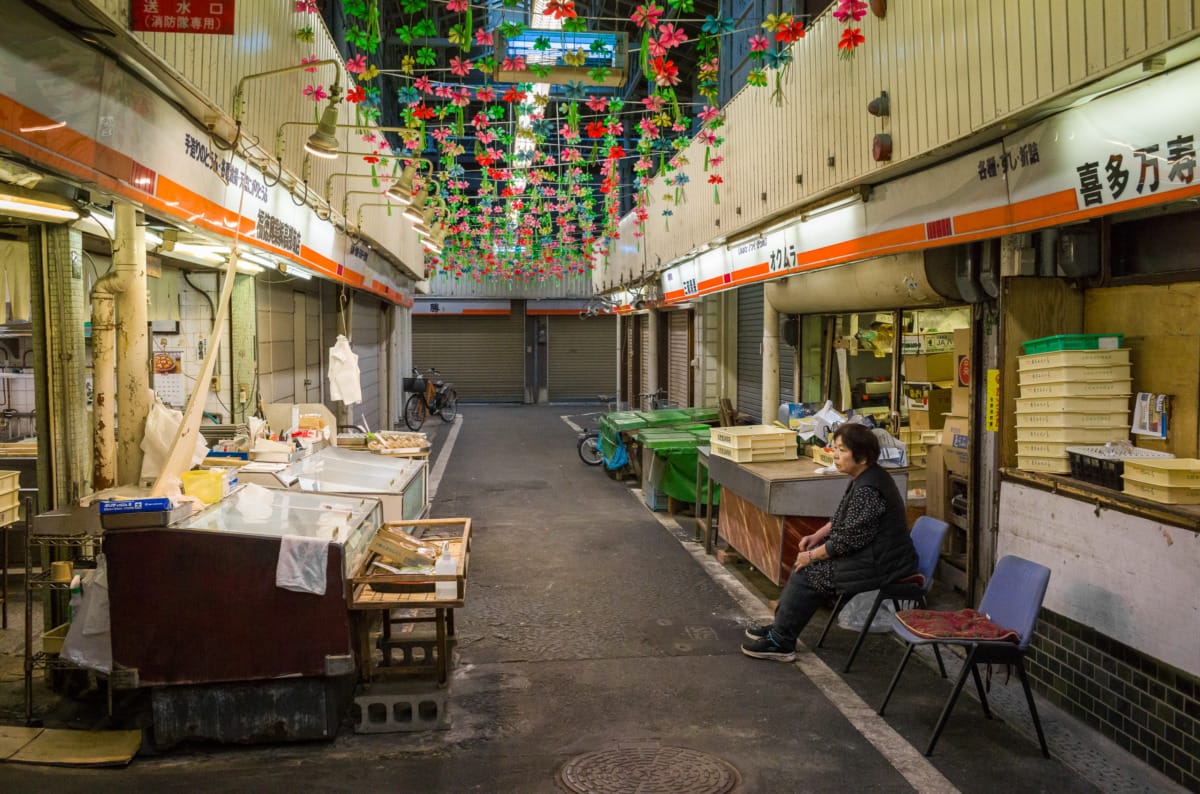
966	624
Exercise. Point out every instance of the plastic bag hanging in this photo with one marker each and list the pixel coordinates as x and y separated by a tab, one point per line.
344	382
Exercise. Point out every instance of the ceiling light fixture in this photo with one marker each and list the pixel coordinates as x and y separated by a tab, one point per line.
287	268
35	206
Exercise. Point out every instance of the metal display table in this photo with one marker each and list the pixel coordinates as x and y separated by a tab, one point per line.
766	508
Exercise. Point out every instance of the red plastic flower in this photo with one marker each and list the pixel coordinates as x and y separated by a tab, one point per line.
713	179
355	95
561	9
852	38
666	73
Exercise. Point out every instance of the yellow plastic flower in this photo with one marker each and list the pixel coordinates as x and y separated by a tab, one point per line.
370	73
576	58
776	21
407	64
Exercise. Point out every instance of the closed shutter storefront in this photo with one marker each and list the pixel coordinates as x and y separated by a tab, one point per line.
483	355
679	357
583	357
366	341
787	365
749	343
643	325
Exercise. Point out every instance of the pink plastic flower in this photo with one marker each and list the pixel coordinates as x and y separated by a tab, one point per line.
457	6
514	64
847	9
653	103
708	114
671	36
310	59
655	49
423	84
647	16
306	7
486	94
759	44
460	67
483	38
356	65
315	92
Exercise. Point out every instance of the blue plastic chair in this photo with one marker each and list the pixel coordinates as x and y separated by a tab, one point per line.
927	535
1012	600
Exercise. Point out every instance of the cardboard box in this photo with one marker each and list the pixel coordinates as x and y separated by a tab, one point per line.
962	357
928	396
960	401
925	420
917	344
956	439
929	368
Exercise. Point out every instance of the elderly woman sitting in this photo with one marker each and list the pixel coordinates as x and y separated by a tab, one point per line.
864	546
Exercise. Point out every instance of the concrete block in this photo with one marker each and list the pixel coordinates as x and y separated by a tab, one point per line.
400	707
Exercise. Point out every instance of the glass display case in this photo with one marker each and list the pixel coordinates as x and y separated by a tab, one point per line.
398	482
197	601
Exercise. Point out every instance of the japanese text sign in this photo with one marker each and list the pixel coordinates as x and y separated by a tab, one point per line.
182	16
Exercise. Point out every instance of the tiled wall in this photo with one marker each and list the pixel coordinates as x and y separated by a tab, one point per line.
1149	708
195	326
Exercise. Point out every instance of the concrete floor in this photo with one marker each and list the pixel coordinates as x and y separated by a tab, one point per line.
593	624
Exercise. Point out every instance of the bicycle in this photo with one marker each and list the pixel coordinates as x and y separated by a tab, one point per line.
658	399
430	396
587	442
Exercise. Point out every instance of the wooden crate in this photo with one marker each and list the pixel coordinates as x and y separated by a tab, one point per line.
1168	472
754	454
1074	358
752	437
373	587
1167	494
1089	405
1085	388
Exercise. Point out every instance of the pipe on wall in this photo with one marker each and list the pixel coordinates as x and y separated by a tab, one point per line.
896	281
104	381
770	362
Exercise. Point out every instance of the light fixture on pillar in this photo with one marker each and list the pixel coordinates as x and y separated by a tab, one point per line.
880	106
416	208
404	183
837	201
323	142
325	132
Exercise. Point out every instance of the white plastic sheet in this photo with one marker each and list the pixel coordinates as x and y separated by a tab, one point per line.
344	381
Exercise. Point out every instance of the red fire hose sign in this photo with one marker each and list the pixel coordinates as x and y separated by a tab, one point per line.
964	371
212	17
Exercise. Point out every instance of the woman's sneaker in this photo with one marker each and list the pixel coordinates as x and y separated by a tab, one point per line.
767	648
758	632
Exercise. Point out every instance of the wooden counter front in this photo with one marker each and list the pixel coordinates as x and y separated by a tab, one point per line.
766	508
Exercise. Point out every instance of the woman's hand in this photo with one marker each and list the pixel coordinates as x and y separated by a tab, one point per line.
810	542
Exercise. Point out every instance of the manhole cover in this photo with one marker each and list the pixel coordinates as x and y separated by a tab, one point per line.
645	770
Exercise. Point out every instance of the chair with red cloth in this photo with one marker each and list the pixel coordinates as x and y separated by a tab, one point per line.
999	632
927	535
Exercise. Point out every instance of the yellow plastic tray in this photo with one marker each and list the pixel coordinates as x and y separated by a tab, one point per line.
1085	388
751	436
1047	465
1074	419
1073	435
1073	358
1170	472
1075	374
1167	494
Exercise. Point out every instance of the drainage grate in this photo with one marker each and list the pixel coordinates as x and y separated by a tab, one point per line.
646	770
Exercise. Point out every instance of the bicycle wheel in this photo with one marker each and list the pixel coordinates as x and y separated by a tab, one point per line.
414	412
449	407
589	449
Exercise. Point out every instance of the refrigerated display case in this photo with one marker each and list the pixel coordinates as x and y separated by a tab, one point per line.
400	483
197	602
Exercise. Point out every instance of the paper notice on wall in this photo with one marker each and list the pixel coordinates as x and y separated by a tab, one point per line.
1150	413
168	377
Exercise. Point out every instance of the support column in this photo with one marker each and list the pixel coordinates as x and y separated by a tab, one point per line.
243	318
133	342
66	364
770	362
652	318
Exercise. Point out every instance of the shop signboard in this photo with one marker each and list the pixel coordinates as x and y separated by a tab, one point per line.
1133	147
429	306
203	17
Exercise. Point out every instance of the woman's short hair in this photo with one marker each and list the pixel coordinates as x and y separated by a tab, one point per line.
861	442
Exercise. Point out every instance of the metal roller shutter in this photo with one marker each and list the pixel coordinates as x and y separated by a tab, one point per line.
365	340
787	365
583	357
679	357
484	356
749	345
643	325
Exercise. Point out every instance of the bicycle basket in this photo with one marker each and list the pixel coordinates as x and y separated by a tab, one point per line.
413	384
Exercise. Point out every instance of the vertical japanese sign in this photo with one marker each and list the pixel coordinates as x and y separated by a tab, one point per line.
991	404
214	17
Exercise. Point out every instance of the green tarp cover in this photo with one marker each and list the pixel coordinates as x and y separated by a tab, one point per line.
702	414
665	416
678	479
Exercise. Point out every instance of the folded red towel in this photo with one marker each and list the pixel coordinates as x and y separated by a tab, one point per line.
966	624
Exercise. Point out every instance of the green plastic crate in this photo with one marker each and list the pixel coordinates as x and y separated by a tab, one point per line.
702	414
665	416
1050	344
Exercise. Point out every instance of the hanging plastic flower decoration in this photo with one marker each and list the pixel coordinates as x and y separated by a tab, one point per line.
852	39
